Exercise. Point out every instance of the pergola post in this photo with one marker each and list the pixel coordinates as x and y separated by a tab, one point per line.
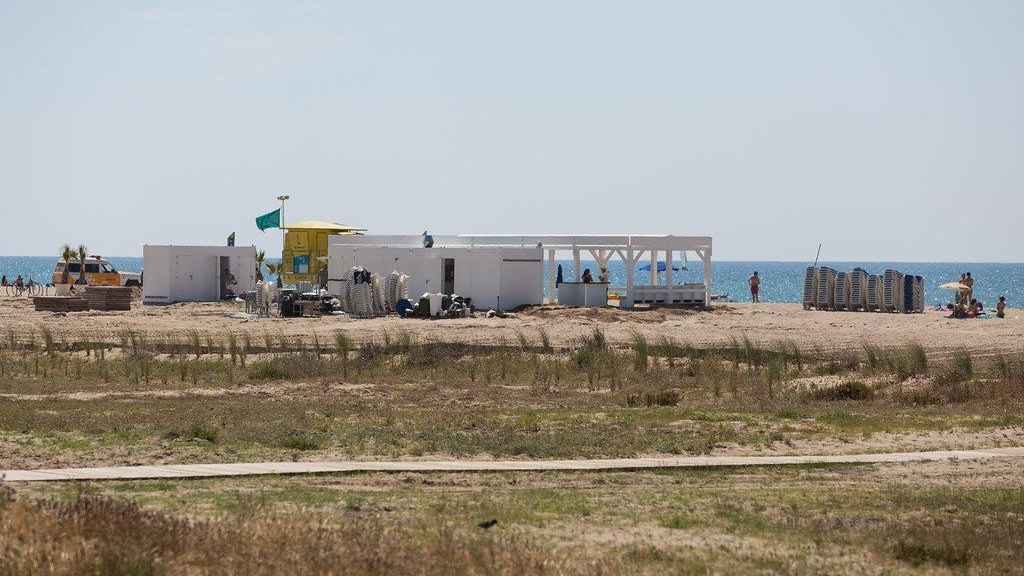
705	255
668	267
576	262
654	267
630	266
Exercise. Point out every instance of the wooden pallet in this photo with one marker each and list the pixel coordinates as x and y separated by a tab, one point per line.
60	304
109	297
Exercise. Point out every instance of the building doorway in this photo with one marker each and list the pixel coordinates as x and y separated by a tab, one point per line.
448	274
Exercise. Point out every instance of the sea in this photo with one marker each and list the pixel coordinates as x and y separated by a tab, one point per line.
780	281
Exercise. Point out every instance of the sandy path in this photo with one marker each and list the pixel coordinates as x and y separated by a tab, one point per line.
277	468
759	322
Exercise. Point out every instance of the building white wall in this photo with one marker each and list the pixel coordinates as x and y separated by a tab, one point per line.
192	273
492	277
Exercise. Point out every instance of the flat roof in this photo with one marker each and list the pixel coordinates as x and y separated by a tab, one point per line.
321	225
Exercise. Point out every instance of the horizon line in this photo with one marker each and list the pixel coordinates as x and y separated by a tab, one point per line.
738	260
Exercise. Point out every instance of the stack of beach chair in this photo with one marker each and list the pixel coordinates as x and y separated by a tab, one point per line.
826	288
875	290
908	293
363	297
396	287
858	290
842	291
892	295
918	294
810	288
892	291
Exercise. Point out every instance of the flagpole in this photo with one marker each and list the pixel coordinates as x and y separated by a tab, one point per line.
282	198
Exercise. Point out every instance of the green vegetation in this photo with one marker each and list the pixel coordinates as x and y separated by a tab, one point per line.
232	396
844	519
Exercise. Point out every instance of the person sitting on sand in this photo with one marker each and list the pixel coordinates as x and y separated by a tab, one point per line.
587	276
972	309
1001	307
755	287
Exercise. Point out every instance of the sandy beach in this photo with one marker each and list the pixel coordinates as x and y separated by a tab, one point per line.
764	323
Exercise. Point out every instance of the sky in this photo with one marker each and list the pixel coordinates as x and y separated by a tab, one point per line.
884	130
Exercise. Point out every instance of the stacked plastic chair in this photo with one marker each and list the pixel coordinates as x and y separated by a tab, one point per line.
875	290
810	288
359	302
826	287
377	296
396	287
908	294
918	294
858	290
892	296
842	291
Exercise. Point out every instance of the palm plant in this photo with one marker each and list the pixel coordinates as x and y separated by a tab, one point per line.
83	253
260	257
275	269
66	254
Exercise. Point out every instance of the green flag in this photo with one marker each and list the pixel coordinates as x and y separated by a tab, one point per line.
269	220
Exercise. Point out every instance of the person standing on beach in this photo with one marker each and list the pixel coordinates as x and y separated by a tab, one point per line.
969	282
1001	307
755	287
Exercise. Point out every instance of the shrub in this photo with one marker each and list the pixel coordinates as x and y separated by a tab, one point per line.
641	352
651	398
851	390
302	441
545	341
204	432
874	357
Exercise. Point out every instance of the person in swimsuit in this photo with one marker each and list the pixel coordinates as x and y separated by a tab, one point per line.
755	287
1001	307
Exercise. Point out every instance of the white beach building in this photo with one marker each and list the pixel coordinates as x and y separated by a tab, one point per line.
505	271
196	273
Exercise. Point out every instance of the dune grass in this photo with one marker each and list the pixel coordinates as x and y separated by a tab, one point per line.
235	399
